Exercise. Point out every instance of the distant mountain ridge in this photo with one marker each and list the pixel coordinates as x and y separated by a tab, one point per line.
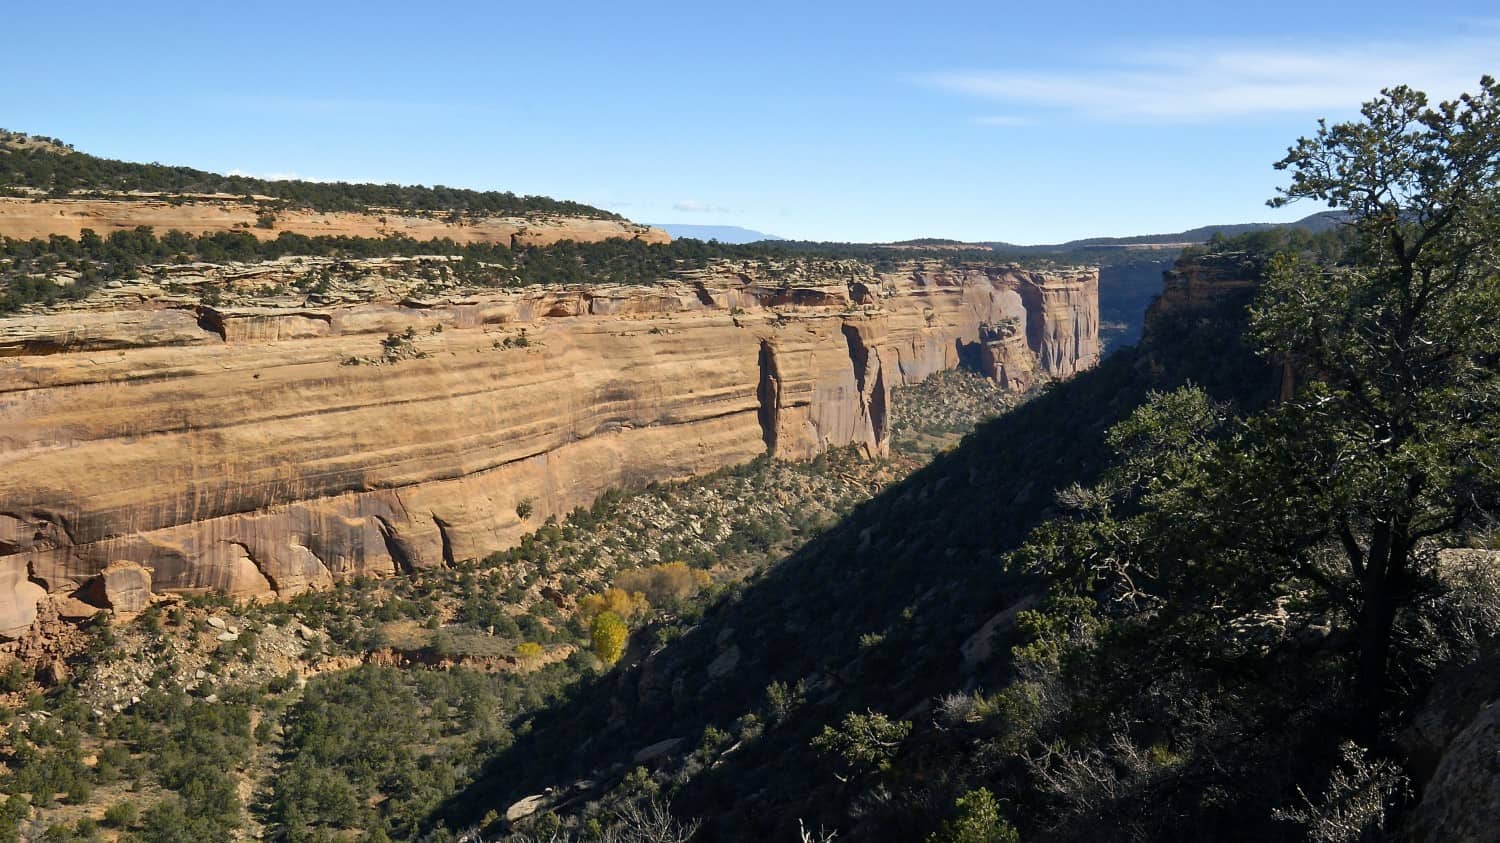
723	233
1321	221
31	165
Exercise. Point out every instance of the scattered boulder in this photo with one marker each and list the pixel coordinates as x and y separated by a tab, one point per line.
52	673
980	646
124	587
72	609
724	663
525	807
217	622
660	749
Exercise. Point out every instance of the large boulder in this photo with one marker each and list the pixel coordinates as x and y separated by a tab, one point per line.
525	807
658	750
1457	697
124	587
1462	801
18	599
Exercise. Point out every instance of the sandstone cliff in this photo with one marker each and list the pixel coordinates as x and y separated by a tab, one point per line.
271	448
1205	281
26	218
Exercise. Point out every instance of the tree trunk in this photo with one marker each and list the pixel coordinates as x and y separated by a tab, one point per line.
1374	647
1384	573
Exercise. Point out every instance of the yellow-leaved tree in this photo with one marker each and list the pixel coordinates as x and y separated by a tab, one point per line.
608	635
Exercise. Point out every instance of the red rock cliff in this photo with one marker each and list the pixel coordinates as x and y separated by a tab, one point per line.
258	450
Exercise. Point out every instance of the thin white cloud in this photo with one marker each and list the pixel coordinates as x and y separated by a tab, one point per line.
1227	80
693	206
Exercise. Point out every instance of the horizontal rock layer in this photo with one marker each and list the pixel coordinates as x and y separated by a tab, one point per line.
27	218
260	450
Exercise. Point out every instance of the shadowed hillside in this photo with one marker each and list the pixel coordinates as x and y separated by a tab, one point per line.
872	615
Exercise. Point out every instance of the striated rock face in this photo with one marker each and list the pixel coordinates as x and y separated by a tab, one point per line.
258	450
27	218
1202	282
1006	358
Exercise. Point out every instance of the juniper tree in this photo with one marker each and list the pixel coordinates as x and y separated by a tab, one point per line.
1391	436
1392	432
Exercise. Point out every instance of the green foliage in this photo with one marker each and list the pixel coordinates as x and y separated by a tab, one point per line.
1389	439
27	267
14	677
1256	248
782	700
63	172
977	820
1064	624
333	772
864	741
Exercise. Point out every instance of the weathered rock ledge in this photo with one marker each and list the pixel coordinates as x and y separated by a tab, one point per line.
24	218
261	450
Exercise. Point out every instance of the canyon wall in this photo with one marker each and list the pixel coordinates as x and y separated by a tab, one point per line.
263	450
1204	282
25	218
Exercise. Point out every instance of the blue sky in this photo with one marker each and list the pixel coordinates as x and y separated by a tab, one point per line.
1026	122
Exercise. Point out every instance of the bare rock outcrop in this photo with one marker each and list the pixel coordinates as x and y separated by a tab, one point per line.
1005	357
41	217
19	597
1461	802
276	448
1202	282
122	586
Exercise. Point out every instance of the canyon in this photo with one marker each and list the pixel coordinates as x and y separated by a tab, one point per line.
264	447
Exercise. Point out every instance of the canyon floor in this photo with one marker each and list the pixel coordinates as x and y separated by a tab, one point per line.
254	719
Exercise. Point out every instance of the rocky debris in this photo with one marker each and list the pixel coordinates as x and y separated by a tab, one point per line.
124	587
191	660
48	637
